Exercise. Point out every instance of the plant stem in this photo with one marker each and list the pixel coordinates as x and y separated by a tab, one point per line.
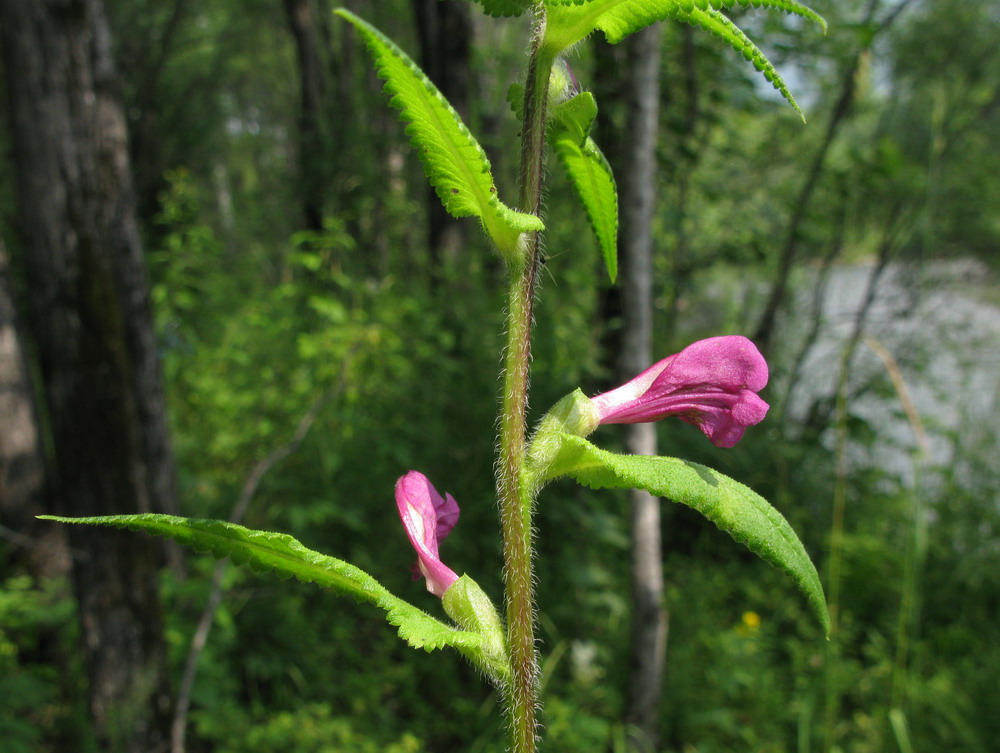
514	492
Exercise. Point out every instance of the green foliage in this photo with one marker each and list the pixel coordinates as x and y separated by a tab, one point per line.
733	507
731	34
944	121
23	691
37	703
185	264
588	171
571	728
500	8
570	21
265	551
454	162
313	728
573	20
255	324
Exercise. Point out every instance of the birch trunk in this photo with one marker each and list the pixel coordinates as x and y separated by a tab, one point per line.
638	200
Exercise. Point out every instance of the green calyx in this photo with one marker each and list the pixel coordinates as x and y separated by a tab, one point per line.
468	605
575	415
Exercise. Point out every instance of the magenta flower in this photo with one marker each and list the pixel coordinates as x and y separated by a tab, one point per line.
712	384
428	519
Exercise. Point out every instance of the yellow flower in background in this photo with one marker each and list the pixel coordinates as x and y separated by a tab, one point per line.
751	620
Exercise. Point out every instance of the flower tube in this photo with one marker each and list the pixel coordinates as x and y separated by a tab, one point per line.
711	384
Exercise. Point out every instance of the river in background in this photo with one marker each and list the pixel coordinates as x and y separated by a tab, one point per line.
941	325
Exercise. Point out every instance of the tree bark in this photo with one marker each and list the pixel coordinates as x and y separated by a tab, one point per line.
637	183
682	263
90	319
313	173
24	491
147	57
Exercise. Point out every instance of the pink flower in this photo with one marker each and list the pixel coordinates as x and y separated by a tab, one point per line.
712	384
428	519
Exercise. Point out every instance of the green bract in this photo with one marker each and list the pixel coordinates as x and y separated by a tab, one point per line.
469	606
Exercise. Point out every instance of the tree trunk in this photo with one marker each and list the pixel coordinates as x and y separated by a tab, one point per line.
607	78
637	183
445	31
41	547
89	314
682	263
313	173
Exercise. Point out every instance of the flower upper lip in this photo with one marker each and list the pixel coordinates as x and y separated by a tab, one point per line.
428	519
712	383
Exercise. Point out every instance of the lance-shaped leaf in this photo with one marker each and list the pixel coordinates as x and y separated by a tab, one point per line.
453	160
736	509
285	556
731	34
588	171
569	21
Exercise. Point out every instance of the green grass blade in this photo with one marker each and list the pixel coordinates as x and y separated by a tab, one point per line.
280	553
734	508
454	162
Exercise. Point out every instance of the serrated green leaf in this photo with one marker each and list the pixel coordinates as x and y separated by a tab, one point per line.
569	21
736	509
577	19
285	556
791	7
588	171
576	115
730	33
453	160
500	8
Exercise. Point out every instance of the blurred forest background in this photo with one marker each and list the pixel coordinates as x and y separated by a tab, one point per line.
318	327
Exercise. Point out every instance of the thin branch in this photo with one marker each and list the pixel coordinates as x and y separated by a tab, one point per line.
817	318
838	115
19	539
178	727
892	239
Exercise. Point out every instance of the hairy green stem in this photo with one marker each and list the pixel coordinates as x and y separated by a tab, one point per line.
514	490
